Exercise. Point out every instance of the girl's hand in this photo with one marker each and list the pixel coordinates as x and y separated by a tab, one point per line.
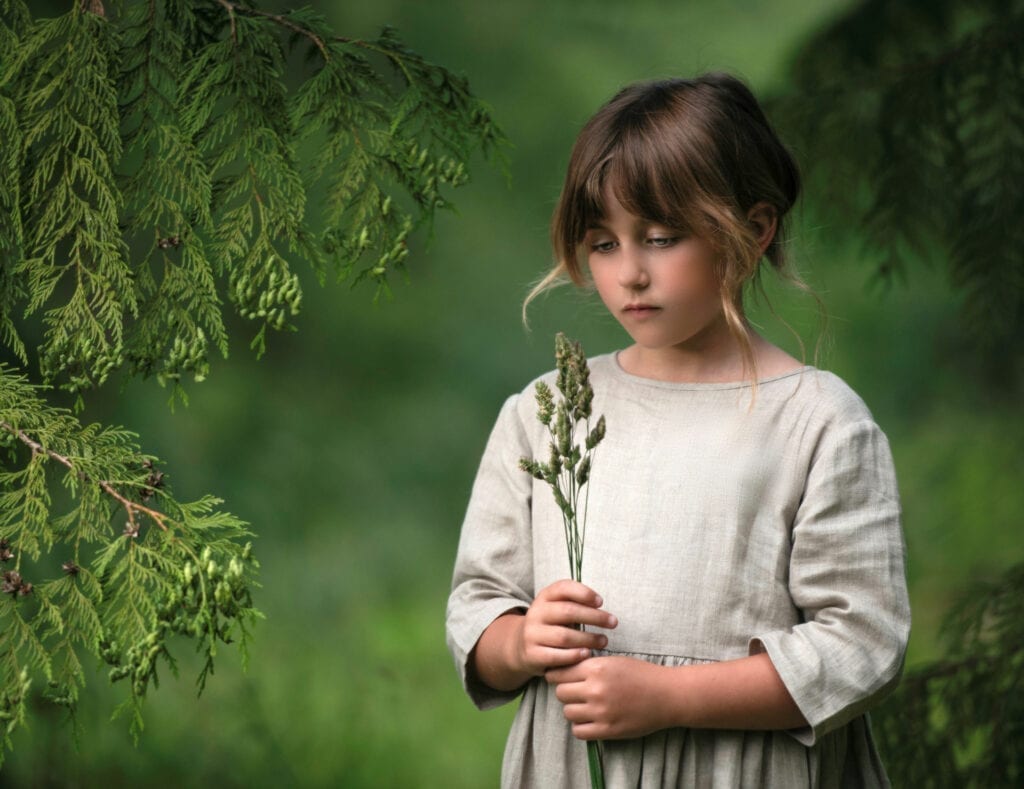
547	636
518	646
611	698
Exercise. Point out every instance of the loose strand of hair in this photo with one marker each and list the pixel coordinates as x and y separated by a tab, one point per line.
738	328
780	265
556	277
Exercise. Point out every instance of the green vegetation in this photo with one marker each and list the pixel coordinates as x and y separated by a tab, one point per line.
152	173
350	447
929	93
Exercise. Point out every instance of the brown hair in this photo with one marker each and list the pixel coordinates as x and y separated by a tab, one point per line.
694	155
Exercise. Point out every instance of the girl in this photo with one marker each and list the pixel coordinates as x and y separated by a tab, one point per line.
746	600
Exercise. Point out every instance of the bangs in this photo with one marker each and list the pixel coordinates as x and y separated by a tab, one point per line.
656	187
637	189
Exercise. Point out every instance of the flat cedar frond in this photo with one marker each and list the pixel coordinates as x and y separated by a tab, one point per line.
375	139
123	568
168	194
959	722
936	107
67	111
11	231
149	175
259	198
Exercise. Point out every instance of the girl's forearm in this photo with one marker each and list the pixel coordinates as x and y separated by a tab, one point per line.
493	659
746	693
524	643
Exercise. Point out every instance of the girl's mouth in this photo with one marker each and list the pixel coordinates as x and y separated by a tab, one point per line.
640	310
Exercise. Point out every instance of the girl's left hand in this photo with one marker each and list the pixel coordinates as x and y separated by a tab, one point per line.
611	697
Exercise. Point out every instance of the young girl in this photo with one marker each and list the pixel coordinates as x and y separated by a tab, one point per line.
745	599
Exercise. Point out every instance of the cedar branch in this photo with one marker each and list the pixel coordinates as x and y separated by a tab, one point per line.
93	7
990	38
280	19
131	507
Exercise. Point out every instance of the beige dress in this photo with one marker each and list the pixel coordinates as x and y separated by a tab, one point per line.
714	532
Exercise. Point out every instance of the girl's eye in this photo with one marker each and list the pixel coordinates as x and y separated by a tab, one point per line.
662	241
602	246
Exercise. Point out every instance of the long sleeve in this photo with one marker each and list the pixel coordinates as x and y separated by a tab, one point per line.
493	567
848	579
715	531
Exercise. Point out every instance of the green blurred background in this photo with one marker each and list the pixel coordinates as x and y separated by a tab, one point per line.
351	447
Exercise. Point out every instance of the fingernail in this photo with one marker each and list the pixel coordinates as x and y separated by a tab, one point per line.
614	621
600	601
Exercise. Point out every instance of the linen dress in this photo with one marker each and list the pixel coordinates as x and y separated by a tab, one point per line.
714	531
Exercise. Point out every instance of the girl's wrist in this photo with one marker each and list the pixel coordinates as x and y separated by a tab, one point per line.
674	695
496	659
686	696
514	656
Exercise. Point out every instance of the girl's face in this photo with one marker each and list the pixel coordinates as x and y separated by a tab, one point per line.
661	286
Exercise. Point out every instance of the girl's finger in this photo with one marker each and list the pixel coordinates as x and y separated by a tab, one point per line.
578	715
587	731
560	676
570	614
570	693
568	638
571	590
550	656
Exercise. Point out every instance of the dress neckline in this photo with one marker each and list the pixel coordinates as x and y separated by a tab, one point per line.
619	372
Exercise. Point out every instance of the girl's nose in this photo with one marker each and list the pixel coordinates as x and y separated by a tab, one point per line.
632	270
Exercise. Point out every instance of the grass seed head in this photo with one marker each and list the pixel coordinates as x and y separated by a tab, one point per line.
596	434
545	403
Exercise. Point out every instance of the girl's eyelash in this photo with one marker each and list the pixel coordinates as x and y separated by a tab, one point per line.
605	246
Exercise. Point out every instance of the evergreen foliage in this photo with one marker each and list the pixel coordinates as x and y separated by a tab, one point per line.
155	164
907	118
175	568
959	722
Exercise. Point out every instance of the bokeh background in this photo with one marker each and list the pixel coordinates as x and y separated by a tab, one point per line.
352	445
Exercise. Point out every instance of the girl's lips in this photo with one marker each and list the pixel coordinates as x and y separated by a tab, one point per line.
640	309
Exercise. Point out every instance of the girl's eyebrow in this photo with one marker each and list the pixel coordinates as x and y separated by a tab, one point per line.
639	223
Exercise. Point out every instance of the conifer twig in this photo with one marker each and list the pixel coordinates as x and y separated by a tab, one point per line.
93	7
231	16
130	507
280	19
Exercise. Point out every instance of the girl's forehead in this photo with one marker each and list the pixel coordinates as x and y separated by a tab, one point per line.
604	200
629	222
613	206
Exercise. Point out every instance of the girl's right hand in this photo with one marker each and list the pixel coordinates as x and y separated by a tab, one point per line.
546	636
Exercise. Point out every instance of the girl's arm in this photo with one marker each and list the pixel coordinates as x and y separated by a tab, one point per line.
846	575
518	646
618	697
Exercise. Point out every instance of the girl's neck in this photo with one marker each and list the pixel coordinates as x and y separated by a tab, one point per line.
720	363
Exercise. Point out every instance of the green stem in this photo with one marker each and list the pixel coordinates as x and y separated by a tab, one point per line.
596	767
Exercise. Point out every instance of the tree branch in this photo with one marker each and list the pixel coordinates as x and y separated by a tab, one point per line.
93	7
131	508
280	19
877	77
394	57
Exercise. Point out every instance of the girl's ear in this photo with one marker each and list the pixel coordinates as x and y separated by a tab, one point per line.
763	217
